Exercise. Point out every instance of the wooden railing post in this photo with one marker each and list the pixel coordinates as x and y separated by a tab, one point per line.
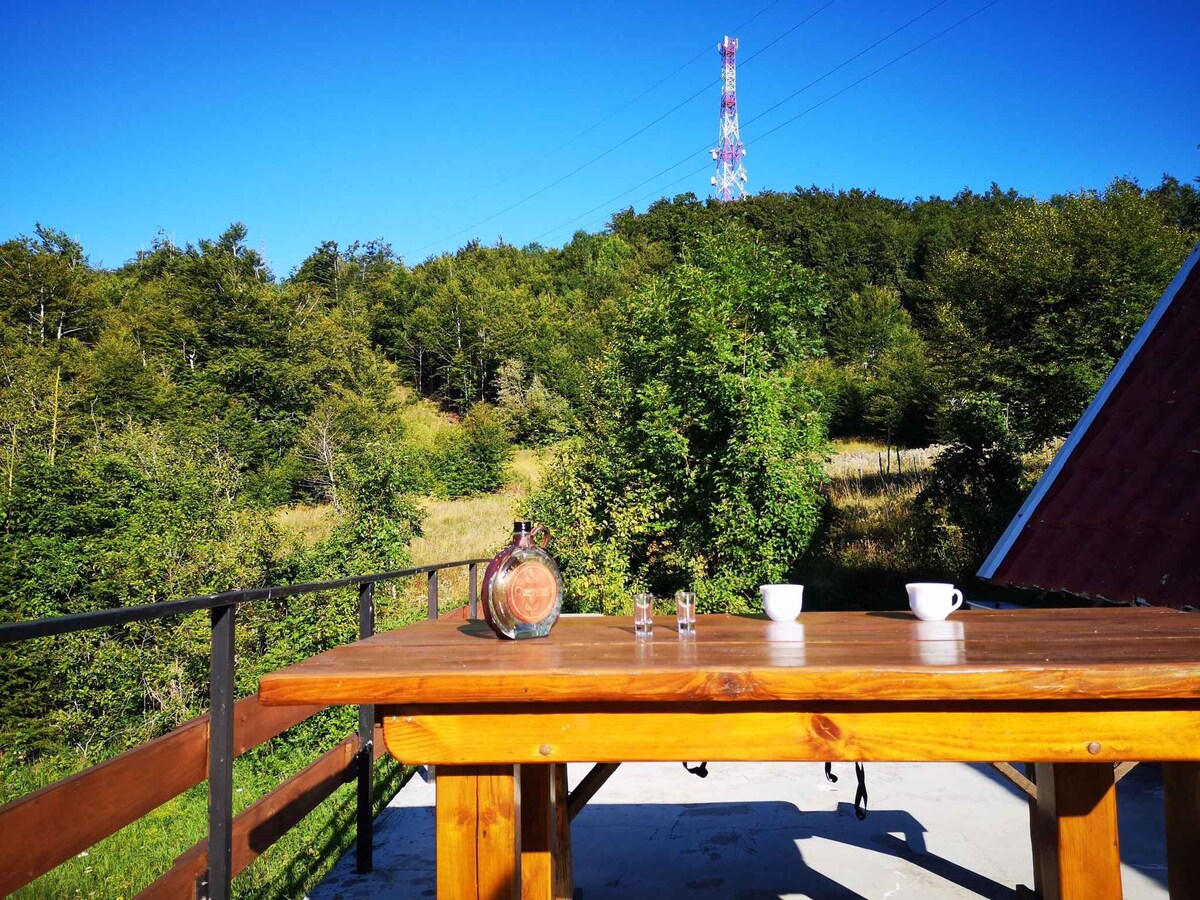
364	835
433	594
220	756
473	590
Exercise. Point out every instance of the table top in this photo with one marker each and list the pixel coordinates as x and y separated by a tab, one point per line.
1003	655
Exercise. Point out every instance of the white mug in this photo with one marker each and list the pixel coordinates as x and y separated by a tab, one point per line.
932	601
782	602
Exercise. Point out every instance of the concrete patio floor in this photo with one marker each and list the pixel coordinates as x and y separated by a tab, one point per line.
779	830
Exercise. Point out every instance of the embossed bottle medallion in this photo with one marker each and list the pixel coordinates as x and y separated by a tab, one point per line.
522	588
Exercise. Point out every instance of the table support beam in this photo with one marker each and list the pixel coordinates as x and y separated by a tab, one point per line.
1181	792
564	879
478	833
1079	853
537	831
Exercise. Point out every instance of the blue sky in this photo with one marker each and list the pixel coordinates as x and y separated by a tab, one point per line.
414	121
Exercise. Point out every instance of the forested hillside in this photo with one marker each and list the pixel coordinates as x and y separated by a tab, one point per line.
687	367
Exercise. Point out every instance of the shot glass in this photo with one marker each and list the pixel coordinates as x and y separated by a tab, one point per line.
643	615
685	612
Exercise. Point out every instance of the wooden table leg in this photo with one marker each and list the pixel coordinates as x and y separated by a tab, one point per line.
564	883
1181	794
478	833
537	832
1079	852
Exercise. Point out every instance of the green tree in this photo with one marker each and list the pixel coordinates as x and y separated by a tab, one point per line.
1038	311
697	461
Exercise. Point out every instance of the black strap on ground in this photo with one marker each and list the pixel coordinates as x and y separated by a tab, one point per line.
860	795
700	771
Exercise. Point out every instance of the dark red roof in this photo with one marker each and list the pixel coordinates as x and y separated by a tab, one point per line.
1117	514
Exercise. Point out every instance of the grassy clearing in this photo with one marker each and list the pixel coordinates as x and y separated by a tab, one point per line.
470	528
304	525
863	555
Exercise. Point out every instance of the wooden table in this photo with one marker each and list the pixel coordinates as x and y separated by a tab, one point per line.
1072	690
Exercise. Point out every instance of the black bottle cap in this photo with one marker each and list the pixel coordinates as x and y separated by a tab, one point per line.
521	528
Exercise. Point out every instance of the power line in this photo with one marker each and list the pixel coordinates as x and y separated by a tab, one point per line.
874	72
791	96
787	122
626	140
658	84
847	62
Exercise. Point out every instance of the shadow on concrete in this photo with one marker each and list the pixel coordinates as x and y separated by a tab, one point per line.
749	851
1140	823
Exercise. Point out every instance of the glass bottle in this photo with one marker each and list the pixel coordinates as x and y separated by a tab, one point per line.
522	588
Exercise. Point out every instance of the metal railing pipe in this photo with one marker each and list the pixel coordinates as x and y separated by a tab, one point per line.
365	821
220	755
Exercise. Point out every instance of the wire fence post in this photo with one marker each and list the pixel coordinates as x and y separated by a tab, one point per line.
220	755
365	827
473	590
433	594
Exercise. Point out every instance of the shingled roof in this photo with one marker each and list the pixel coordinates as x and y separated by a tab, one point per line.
1117	514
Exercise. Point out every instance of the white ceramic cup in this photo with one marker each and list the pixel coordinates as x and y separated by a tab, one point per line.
782	602
932	601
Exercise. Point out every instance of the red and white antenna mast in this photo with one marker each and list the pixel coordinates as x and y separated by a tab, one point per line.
730	181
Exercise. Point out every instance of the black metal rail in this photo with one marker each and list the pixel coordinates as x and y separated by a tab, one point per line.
215	883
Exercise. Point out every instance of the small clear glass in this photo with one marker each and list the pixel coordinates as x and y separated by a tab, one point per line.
685	612
643	615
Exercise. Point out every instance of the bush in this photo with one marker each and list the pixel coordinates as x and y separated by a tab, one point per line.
474	460
532	412
974	486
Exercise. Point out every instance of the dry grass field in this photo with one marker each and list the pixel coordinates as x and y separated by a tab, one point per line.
472	527
865	549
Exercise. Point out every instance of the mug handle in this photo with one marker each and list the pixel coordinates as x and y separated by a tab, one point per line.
958	598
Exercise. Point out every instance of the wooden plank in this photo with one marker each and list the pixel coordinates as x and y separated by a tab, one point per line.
265	821
1181	793
457	804
255	723
966	733
537	832
498	839
586	789
49	826
564	884
1017	778
1035	840
838	656
1079	854
1123	769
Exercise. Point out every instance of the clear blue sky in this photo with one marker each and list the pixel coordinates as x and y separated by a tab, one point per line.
315	121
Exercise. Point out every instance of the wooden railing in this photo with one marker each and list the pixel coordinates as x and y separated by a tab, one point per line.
49	826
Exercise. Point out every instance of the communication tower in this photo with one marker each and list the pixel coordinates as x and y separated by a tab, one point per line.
730	181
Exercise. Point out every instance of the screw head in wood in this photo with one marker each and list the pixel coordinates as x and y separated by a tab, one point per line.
544	749
1094	747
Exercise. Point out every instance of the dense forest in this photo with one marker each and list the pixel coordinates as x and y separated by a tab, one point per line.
687	366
